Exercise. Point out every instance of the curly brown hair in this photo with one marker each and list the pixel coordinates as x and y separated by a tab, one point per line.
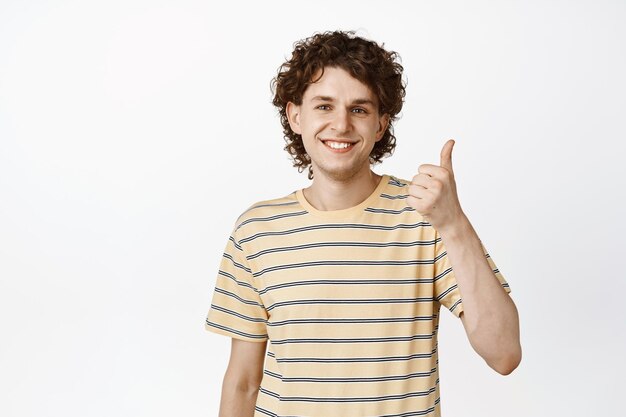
365	60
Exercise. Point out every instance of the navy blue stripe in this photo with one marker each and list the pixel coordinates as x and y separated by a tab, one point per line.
232	239
348	282
395	182
230	294
388	211
241	316
235	331
344	244
350	399
334	226
443	274
353	301
238	265
264	411
455	305
452	288
446	292
232	277
355	339
353	320
394	197
266	219
350	380
344	263
407	414
351	360
442	254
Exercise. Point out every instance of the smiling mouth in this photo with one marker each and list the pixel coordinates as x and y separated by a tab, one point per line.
338	145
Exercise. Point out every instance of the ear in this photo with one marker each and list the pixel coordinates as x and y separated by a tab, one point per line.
293	115
383	122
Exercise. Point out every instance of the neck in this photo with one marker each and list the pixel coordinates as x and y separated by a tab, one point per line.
330	194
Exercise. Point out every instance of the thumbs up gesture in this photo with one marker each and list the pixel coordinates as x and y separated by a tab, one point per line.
432	192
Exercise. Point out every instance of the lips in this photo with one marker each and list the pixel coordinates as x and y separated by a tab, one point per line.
338	140
338	148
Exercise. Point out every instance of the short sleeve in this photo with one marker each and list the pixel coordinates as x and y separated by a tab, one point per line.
236	309
445	285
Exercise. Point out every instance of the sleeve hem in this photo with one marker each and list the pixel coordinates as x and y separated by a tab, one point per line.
235	333
457	309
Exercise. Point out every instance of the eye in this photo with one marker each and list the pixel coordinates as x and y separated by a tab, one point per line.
323	107
359	110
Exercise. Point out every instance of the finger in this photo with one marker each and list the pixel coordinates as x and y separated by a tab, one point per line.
416	203
422	206
446	155
418	191
423	180
432	170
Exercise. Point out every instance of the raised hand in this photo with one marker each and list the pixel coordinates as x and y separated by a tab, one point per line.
432	192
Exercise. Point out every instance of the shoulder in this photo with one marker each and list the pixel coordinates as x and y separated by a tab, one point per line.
270	209
396	186
398	182
393	200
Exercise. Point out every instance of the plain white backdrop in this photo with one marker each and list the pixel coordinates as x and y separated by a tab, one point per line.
133	133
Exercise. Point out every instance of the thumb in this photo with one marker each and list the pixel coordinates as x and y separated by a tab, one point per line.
446	155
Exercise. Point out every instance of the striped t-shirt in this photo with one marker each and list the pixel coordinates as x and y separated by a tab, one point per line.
348	299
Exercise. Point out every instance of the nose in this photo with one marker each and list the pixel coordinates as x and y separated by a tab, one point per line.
341	121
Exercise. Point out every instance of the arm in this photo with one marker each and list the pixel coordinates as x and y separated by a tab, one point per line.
242	378
489	314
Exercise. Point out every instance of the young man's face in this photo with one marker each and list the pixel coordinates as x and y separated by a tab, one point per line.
337	110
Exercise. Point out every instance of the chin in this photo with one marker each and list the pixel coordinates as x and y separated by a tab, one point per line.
337	174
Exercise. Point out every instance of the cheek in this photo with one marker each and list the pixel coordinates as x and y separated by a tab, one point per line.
371	127
312	126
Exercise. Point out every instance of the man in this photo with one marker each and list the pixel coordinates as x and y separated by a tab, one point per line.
346	277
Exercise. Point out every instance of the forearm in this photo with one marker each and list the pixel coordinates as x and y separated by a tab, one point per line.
237	401
490	316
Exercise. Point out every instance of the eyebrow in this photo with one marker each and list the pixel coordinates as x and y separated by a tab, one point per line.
355	101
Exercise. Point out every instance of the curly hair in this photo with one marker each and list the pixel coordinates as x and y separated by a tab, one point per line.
365	60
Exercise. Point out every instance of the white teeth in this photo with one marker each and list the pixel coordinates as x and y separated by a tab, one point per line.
337	145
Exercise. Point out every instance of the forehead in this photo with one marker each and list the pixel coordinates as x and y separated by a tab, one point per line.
340	85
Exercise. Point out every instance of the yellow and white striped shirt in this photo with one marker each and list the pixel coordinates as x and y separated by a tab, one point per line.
348	299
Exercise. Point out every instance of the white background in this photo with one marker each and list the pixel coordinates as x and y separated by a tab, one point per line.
133	133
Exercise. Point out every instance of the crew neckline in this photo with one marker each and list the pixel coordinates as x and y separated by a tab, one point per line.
334	214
